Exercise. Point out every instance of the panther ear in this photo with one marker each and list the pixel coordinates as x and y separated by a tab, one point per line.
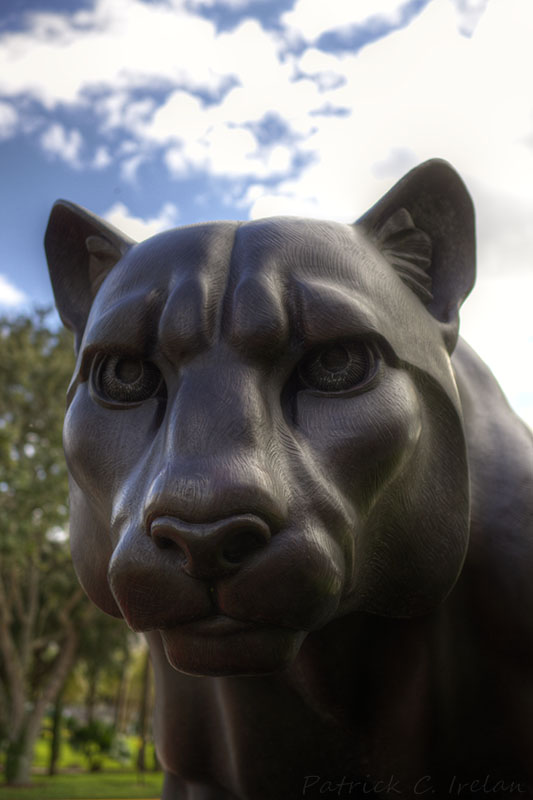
81	249
425	227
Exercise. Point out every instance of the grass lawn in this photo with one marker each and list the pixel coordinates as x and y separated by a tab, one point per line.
115	781
96	785
71	759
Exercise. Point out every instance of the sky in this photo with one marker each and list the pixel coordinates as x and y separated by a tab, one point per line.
158	113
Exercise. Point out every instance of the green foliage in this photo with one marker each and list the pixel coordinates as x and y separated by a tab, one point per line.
93	740
120	750
104	651
39	595
48	629
36	367
120	757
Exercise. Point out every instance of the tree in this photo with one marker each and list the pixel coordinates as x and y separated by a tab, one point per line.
144	712
94	740
102	660
104	654
40	601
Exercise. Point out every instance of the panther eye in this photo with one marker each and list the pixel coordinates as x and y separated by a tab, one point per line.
339	367
127	380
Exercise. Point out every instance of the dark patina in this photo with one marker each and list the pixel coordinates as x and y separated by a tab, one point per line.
312	497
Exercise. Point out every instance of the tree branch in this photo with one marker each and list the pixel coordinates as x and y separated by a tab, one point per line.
15	593
4	605
12	667
3	708
58	676
29	616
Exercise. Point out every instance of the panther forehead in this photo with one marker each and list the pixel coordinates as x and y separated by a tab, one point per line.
256	284
238	281
275	262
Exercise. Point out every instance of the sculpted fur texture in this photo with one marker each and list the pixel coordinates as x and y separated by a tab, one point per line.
308	493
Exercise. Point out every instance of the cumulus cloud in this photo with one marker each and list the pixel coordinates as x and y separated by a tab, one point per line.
10	296
496	321
138	228
8	120
109	54
120	48
356	120
118	110
101	159
234	4
63	144
469	13
423	91
130	166
228	151
310	19
116	43
218	137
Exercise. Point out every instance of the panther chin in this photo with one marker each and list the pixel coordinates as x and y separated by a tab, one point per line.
219	645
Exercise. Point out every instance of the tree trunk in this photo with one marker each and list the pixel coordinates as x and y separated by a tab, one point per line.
90	699
18	761
19	753
144	715
55	745
121	698
14	677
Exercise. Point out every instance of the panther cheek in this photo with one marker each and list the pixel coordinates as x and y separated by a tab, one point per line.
91	549
84	450
92	436
364	441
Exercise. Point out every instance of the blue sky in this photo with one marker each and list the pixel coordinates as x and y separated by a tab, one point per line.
155	113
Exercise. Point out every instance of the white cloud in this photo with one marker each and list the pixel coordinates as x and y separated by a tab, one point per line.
229	151
102	158
125	45
218	137
310	19
265	203
117	44
182	117
137	227
496	321
234	4
469	13
63	144
324	68
119	110
8	120
505	231
423	91
223	150
130	166
10	296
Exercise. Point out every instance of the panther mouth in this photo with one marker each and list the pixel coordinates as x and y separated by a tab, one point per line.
216	625
219	645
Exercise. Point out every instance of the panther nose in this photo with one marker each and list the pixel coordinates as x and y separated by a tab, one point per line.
213	549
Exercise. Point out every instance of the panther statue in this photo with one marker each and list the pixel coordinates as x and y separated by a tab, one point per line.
312	498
